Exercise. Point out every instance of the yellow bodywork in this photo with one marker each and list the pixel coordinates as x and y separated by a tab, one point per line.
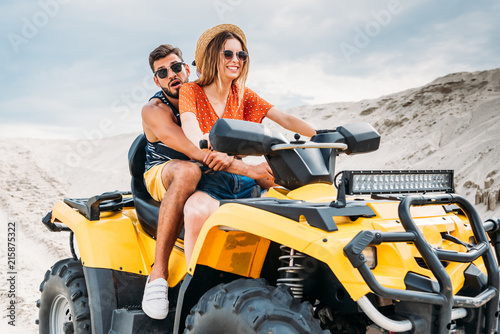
223	240
118	242
236	239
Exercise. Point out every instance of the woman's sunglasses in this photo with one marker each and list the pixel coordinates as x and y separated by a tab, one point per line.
241	55
162	73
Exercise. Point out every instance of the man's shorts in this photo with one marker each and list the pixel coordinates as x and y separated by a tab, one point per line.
223	185
219	185
154	184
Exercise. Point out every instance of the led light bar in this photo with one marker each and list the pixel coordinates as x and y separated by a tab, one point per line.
397	181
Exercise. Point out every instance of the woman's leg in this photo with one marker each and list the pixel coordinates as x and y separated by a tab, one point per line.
197	209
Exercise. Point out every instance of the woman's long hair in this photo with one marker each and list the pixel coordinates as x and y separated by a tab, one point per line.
212	62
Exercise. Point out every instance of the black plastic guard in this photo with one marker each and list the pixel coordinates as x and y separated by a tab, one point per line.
137	322
318	215
108	290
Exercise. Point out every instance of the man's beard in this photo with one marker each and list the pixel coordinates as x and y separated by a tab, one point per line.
173	93
169	93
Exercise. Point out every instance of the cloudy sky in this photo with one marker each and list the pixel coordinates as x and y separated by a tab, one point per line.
79	68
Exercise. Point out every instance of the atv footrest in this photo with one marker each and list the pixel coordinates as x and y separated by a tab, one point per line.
91	207
137	322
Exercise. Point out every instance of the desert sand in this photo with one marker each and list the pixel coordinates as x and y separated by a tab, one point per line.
451	123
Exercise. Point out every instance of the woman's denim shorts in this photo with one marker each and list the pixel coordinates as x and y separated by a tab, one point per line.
223	185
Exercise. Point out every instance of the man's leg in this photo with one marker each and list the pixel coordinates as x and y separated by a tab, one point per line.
179	179
197	209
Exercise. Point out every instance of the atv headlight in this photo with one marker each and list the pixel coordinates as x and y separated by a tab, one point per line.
397	182
370	254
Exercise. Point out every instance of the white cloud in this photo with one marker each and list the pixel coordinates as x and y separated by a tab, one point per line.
306	81
91	58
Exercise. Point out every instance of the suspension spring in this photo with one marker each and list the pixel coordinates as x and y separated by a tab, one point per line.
291	271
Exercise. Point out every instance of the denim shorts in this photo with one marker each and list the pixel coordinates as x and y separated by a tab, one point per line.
223	185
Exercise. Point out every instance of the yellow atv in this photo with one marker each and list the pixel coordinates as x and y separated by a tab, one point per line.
357	252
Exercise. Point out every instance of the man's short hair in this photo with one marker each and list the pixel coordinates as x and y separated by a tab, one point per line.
161	52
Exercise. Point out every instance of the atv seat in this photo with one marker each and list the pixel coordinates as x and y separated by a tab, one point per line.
146	207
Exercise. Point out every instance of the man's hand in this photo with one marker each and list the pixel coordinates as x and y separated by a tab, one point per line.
218	161
261	171
266	183
263	175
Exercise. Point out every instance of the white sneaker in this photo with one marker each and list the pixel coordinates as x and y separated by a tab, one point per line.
155	299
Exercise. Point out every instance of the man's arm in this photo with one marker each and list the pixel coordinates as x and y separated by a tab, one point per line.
255	172
158	121
290	122
261	173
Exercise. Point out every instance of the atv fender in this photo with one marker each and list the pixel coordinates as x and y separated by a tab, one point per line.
116	241
224	246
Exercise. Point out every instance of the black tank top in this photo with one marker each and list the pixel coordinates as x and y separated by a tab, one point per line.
157	152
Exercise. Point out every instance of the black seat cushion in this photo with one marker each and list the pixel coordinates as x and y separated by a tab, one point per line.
147	208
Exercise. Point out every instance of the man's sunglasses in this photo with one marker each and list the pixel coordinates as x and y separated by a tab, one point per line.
241	55
162	73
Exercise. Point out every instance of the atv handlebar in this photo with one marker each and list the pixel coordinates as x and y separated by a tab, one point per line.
278	147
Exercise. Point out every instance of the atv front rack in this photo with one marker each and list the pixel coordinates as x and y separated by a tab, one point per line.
444	298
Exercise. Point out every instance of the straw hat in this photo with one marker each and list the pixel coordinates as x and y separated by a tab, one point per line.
209	35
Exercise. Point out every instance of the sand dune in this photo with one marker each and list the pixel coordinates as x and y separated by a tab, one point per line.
451	123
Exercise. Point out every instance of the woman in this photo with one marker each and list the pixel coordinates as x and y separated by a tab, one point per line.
222	60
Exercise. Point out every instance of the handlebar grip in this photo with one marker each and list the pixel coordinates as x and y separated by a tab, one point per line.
203	144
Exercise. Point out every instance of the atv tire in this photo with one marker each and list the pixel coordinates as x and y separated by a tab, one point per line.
249	306
64	306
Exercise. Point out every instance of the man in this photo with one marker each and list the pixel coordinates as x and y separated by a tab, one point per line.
170	176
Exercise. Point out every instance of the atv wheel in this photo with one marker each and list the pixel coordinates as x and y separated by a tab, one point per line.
64	306
248	306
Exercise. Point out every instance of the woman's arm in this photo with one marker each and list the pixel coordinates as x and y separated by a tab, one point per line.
191	128
290	122
214	160
188	110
